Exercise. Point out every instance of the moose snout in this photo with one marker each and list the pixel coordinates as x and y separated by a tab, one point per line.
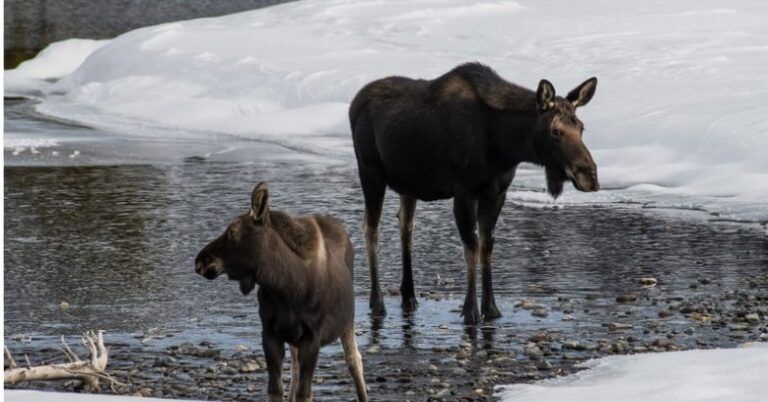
207	267
584	178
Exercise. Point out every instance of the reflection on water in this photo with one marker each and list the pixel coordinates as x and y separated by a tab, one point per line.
117	244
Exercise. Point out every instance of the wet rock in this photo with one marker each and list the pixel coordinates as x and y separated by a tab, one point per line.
648	282
526	304
752	318
627	298
164	361
540	312
620	347
538	337
738	327
619	326
373	349
249	367
573	345
665	314
533	352
143	392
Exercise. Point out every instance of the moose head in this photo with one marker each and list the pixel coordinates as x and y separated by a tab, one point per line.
559	138
239	250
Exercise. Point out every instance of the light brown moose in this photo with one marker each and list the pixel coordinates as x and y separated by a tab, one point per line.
304	269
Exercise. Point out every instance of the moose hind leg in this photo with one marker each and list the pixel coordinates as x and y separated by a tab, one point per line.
294	374
405	215
465	212
354	362
487	215
373	191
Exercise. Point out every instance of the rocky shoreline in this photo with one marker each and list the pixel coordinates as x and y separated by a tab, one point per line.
645	320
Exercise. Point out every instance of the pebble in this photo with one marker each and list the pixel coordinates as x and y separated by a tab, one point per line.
752	318
648	282
373	349
540	312
249	367
533	352
574	345
738	327
627	298
618	326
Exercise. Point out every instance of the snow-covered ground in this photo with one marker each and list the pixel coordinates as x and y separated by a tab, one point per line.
734	375
679	118
39	396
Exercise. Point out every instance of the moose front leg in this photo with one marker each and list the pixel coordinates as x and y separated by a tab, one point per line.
307	362
274	353
465	212
487	214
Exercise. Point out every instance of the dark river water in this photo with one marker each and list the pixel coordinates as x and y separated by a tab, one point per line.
116	242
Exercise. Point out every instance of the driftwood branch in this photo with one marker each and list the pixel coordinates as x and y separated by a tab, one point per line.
87	371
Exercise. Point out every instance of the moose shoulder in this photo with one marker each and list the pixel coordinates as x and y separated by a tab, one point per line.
304	269
461	136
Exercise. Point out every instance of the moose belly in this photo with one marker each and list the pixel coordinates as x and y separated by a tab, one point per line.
417	166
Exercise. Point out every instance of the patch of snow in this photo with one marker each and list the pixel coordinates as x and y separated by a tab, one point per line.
23	143
679	117
39	396
734	375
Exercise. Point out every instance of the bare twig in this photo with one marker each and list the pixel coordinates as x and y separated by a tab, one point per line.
9	358
70	354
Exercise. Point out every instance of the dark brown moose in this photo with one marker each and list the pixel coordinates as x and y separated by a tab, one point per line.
461	136
304	269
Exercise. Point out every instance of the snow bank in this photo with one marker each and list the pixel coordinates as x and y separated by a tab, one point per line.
38	396
734	375
679	118
55	61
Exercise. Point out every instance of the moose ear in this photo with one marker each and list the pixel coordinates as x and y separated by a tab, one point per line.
545	95
582	94
259	202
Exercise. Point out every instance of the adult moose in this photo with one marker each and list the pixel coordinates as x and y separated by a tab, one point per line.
461	136
304	269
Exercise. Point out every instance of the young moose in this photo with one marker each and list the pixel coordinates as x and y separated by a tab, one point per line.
304	269
461	136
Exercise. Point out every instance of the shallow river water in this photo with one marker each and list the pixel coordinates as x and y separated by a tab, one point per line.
112	232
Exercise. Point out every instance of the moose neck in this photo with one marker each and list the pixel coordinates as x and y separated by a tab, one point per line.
280	267
515	132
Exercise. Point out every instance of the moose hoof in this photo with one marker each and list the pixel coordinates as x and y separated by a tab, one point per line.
491	312
378	309
410	304
471	315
